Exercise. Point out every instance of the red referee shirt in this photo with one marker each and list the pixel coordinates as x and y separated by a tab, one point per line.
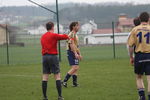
49	42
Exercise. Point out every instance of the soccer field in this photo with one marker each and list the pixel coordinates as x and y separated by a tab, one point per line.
101	78
31	54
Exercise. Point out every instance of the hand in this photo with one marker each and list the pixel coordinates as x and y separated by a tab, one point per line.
132	61
80	57
77	56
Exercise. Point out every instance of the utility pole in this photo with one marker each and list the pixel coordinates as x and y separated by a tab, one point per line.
57	14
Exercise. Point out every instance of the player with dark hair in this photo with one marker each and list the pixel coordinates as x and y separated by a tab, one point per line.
74	54
140	39
50	60
136	21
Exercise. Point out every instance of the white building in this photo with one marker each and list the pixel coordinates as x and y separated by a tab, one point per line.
88	27
106	38
42	29
39	30
61	29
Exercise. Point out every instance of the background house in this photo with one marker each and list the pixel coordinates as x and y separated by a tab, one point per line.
87	28
36	30
61	28
124	23
3	39
105	31
104	35
120	38
11	36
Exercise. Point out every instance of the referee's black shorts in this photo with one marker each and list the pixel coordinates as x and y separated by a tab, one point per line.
50	64
142	63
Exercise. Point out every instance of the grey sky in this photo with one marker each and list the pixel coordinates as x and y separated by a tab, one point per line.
26	2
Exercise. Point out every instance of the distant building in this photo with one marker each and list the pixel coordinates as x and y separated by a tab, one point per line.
38	30
124	23
61	29
88	27
104	35
105	31
42	29
11	36
120	38
3	39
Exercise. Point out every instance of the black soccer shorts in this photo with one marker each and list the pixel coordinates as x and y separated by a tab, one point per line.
50	64
142	63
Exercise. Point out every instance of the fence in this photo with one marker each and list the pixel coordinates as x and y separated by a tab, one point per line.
25	50
19	46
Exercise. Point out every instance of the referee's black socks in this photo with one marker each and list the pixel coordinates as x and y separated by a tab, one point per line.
44	88
59	88
67	77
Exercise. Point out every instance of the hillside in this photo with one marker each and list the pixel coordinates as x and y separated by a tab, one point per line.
100	13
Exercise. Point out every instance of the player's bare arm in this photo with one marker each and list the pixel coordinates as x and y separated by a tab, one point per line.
80	56
131	50
73	48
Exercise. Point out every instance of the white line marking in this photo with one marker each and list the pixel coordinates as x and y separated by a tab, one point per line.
17	75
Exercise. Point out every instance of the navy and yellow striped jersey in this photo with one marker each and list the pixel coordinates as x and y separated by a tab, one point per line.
73	37
140	38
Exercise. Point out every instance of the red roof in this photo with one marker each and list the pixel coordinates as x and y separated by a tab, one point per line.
126	22
104	31
3	25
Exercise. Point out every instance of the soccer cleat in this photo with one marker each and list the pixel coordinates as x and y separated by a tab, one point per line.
45	99
142	98
60	98
75	85
64	84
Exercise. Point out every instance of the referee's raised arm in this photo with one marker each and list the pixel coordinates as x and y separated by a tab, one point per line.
61	36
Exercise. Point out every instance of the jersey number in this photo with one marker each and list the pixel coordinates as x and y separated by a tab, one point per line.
147	36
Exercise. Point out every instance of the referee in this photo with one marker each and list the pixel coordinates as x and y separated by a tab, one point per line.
50	59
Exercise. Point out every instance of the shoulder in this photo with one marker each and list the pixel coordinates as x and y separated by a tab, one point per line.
49	35
43	35
71	34
135	29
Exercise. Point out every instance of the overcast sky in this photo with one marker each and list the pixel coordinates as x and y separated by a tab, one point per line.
26	2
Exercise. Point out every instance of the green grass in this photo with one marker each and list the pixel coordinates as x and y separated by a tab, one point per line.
100	76
99	80
31	54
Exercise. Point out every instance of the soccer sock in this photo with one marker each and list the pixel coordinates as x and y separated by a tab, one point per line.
148	95
141	93
59	88
74	77
67	77
44	88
